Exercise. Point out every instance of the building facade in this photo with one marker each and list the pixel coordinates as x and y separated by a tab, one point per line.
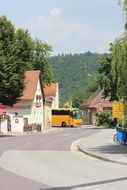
28	113
94	104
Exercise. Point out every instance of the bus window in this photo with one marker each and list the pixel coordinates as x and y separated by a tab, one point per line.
60	112
76	114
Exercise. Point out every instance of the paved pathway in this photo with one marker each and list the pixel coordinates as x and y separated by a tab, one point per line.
101	145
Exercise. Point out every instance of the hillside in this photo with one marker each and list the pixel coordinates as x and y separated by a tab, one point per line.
71	71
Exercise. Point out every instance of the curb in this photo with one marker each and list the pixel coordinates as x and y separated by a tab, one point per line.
100	157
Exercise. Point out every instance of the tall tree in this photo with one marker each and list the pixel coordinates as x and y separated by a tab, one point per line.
92	85
123	3
33	54
77	99
40	60
11	81
24	50
108	77
18	53
113	73
119	65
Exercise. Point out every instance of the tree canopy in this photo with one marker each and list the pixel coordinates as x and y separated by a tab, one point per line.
19	52
77	99
71	72
11	80
41	53
113	71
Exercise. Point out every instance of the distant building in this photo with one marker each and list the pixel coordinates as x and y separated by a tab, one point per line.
28	113
52	92
94	104
48	112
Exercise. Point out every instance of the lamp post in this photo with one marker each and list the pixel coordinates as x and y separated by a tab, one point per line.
89	75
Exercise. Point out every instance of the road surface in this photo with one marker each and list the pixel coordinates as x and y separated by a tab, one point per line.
45	161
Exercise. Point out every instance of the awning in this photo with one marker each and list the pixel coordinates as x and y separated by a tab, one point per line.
2	109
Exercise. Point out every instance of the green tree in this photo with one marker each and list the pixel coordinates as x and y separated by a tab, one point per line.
11	82
123	3
108	76
71	71
119	67
92	85
19	53
24	50
40	60
77	99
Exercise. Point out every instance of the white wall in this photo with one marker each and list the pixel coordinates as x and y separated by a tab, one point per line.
55	103
34	114
3	126
17	124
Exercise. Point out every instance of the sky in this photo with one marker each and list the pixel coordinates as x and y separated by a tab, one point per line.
69	26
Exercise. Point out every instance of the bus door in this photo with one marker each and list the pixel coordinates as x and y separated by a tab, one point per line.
71	120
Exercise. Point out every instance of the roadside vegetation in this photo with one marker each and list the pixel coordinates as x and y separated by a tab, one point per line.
19	52
112	78
76	76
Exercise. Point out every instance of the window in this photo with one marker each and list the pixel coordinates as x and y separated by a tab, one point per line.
60	112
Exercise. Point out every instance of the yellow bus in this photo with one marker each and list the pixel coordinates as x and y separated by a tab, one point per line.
66	117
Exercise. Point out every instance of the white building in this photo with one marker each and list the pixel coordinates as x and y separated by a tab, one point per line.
51	101
28	113
52	91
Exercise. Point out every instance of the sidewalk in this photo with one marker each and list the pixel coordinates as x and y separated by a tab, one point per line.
44	131
102	146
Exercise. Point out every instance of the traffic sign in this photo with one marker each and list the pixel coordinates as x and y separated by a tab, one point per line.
118	110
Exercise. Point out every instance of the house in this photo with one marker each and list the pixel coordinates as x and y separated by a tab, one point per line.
28	112
94	104
48	112
51	93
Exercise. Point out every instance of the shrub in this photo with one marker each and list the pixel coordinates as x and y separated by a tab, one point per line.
104	118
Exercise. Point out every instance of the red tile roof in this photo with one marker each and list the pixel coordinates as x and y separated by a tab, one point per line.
50	90
96	100
31	81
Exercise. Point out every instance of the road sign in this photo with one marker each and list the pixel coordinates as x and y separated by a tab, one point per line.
118	110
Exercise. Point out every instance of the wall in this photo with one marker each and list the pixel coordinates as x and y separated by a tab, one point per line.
3	126
89	116
17	124
55	103
48	115
34	113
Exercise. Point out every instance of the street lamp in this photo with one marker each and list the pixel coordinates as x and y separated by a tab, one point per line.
89	75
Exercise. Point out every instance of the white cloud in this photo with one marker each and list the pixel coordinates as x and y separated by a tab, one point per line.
71	35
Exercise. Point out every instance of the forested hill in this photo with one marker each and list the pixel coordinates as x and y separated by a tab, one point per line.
71	71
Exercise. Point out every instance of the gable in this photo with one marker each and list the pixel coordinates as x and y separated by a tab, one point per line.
51	90
96	100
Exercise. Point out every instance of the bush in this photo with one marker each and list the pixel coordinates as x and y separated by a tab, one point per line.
104	118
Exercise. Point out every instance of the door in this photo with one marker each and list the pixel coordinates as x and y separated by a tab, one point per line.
25	124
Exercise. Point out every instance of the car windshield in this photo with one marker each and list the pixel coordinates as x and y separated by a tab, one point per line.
76	114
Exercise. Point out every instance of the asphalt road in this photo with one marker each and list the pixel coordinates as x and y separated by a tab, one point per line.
41	162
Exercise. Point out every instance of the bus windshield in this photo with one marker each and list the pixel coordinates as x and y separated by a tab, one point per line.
76	114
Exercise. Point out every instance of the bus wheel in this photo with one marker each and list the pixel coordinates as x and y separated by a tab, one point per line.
64	124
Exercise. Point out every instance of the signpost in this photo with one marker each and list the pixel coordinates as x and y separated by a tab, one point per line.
118	112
